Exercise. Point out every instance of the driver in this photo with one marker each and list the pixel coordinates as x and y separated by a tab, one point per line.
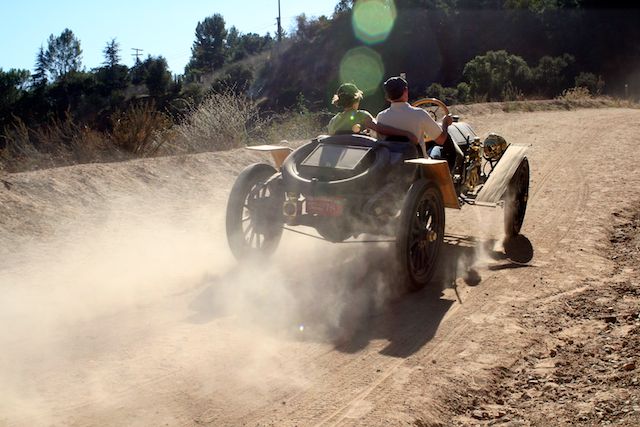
353	120
417	121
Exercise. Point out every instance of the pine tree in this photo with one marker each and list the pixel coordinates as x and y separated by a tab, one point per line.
63	54
39	76
208	52
111	54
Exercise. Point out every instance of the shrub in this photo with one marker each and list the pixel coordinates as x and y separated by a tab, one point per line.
594	84
60	142
575	94
464	92
511	93
490	73
551	75
294	126
448	95
223	120
238	78
141	129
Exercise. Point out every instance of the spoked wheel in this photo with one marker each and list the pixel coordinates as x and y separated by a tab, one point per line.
515	202
254	213
421	233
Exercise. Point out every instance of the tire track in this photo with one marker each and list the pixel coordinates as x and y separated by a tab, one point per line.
454	328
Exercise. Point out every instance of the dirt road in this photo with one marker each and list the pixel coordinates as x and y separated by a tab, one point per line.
121	305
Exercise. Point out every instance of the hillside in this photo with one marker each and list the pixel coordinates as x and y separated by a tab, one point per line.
433	44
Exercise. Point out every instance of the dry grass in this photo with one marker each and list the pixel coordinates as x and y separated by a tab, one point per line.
140	130
570	99
58	143
295	126
223	121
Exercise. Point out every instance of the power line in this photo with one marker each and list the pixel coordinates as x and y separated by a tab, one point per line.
137	53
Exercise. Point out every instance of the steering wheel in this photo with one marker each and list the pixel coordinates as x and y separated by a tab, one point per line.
432	106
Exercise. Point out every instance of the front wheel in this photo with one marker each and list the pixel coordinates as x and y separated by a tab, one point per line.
254	213
515	202
421	233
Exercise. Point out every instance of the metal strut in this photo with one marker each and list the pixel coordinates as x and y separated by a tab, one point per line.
349	242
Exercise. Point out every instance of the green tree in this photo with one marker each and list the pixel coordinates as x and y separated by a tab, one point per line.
111	54
208	51
238	78
39	76
13	86
552	75
232	44
491	73
343	6
238	46
63	54
252	43
157	76
464	92
593	83
112	78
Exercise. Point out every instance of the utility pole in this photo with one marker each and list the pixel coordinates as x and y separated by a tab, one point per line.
137	53
279	19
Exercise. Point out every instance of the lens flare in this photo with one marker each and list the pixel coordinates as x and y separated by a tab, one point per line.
373	20
364	67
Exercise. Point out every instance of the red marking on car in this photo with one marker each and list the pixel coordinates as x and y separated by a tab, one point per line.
325	206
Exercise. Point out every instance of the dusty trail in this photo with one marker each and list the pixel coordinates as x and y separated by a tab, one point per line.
121	305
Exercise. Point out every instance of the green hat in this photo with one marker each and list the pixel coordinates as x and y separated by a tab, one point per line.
346	95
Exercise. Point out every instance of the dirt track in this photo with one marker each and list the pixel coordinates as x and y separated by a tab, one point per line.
121	305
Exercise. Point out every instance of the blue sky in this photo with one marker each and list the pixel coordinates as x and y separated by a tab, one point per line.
159	27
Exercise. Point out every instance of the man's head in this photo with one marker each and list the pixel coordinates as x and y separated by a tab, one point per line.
396	89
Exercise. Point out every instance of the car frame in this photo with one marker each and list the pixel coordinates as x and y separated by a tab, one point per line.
347	186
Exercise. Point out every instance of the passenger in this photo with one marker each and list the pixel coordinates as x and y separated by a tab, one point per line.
401	115
353	120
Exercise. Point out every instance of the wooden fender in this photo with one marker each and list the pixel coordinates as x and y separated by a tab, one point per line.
278	152
438	172
496	186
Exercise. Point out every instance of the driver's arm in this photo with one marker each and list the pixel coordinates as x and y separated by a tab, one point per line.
390	130
432	128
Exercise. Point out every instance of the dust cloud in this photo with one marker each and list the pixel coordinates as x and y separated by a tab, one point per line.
126	291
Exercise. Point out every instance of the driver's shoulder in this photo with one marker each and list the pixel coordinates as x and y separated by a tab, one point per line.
418	111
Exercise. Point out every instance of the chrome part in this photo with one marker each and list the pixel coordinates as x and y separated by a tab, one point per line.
473	160
291	207
494	146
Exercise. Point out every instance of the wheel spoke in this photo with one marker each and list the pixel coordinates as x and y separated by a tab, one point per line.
248	230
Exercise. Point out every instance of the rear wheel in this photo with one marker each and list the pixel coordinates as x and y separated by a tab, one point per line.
254	213
515	202
420	234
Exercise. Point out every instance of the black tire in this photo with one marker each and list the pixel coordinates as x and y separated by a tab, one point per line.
420	234
515	201
254	213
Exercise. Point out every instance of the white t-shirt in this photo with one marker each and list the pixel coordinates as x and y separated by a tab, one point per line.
403	116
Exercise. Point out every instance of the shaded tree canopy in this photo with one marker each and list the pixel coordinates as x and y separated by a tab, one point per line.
63	54
111	53
490	73
208	51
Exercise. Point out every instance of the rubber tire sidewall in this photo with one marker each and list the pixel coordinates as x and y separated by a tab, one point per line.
413	197
251	175
512	226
